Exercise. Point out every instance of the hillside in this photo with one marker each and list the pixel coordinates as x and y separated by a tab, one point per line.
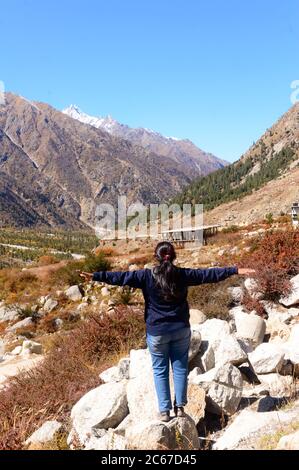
185	153
54	170
256	183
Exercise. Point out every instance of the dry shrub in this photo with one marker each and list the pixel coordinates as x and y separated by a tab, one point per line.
275	257
106	250
15	283
253	304
214	300
70	369
45	260
141	260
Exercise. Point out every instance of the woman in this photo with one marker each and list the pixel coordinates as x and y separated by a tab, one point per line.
165	289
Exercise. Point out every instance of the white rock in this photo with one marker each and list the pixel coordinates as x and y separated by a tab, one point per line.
277	329
230	351
197	316
278	385
252	288
289	442
124	368
213	330
294	335
278	312
58	322
266	358
31	347
101	408
205	359
45	433
250	326
16	351
223	386
110	375
8	314
179	433
82	306
195	341
105	292
111	440
49	305
293	297
21	324
237	293
73	293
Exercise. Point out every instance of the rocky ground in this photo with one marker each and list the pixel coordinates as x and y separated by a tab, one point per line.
242	369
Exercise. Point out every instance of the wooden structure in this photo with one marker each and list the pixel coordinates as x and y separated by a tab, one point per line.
181	236
295	214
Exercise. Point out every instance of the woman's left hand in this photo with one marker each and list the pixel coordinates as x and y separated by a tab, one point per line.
85	276
245	271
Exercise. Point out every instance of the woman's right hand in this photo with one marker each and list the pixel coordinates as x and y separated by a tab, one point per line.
86	276
246	271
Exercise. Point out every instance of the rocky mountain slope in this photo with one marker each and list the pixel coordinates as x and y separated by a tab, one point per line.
194	160
256	184
54	170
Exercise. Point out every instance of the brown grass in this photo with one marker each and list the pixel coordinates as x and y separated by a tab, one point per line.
70	369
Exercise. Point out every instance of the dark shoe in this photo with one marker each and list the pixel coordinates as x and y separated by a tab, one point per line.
179	411
164	416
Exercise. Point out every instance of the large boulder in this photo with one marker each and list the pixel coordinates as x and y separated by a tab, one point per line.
249	326
101	408
279	312
195	341
21	324
179	433
278	331
223	386
213	330
266	358
117	373
110	440
9	313
205	359
230	351
45	433
49	305
289	442
277	385
293	297
252	288
74	293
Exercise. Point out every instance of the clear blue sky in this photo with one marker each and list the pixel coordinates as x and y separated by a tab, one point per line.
217	72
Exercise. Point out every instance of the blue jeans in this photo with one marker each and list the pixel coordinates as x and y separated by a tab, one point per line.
171	347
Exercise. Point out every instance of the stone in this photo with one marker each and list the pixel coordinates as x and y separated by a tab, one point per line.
179	433
111	440
82	306
195	341
105	292
45	433
237	293
230	351
266	358
196	316
223	386
31	347
16	351
250	326
278	312
277	385
213	330
289	442
49	305
8	314
101	408
21	324
277	330
196	405
57	323
124	368
110	375
74	293
252	288
293	297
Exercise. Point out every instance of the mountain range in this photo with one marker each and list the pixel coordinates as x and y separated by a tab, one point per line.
54	169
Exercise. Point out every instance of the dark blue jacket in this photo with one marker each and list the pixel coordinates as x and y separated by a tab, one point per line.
163	317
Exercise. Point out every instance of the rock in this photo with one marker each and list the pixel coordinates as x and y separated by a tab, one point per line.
223	386
133	267
179	433
278	312
213	330
105	292
237	293
266	358
196	405
250	326
121	428
195	341
277	330
45	433
294	335
289	442
49	305
16	351
73	293
31	347
111	440
82	306
230	351
8	314
57	323
21	324
124	368
101	408
252	288
196	316
205	359
293	297
277	385
110	375
249	423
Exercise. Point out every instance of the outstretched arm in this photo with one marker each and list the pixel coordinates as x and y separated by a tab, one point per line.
195	277
117	278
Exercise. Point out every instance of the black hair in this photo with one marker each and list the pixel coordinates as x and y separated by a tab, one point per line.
165	273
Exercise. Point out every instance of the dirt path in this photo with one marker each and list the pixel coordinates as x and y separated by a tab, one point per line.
43	272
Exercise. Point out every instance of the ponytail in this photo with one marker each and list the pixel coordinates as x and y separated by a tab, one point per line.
166	274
